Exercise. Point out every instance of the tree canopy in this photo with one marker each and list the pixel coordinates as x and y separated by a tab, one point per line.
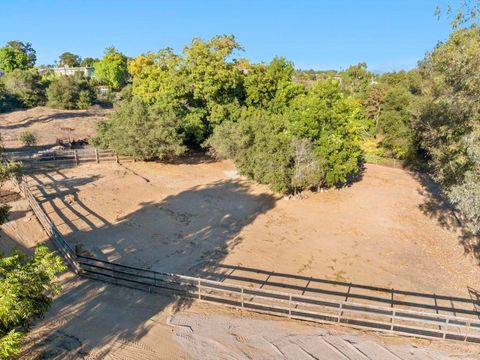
69	59
17	55
112	69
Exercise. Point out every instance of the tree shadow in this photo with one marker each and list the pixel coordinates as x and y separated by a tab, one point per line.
186	233
182	234
437	206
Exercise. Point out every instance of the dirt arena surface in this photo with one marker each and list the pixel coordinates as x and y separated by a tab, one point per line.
200	217
194	218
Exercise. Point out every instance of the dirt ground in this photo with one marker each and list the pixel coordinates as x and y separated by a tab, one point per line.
198	217
192	218
93	320
48	125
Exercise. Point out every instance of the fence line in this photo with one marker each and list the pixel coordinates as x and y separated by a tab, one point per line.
64	157
363	316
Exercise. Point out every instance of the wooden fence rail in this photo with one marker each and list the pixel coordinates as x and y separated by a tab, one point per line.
311	308
34	159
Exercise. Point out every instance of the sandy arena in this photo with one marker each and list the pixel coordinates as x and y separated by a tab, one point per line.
198	217
191	218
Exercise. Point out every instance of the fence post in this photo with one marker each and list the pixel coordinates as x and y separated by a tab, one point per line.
96	156
393	320
445	329
76	156
199	295
242	296
116	158
289	305
340	312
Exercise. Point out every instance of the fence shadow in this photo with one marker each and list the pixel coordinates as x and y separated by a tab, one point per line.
182	234
58	194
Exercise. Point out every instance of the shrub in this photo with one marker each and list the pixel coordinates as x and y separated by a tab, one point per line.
28	138
259	145
142	131
70	92
25	88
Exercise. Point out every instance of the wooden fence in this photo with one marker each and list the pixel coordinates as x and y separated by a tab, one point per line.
311	308
64	157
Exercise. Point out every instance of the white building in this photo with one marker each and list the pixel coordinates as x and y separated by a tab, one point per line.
87	71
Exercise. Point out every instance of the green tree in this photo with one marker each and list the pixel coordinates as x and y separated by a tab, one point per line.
373	102
334	123
271	86
465	195
259	145
142	131
356	80
69	59
396	123
453	74
27	287
25	87
202	86
17	55
88	61
112	69
449	126
70	92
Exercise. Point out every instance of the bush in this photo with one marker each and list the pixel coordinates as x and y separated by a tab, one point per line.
70	92
25	88
259	145
141	131
28	138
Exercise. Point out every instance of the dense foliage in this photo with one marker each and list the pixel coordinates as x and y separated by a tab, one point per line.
27	287
69	59
255	114
25	88
27	283
112	69
141	131
70	92
17	55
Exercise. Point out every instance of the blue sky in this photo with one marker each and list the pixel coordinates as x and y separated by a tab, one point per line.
322	34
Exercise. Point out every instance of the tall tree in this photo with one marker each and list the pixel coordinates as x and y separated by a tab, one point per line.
112	69
334	124
17	55
88	61
69	59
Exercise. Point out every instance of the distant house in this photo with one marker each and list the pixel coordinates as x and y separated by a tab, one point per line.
87	71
